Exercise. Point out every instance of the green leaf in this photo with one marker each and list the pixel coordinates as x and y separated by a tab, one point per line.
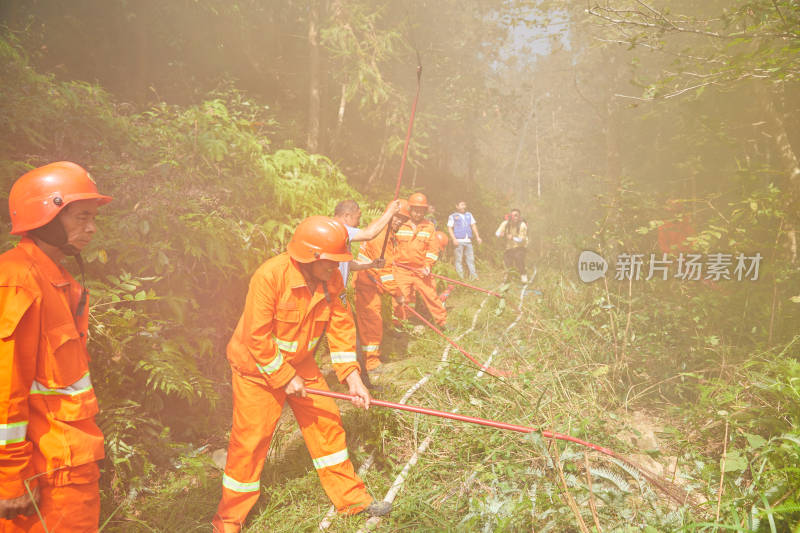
755	441
141	295
735	462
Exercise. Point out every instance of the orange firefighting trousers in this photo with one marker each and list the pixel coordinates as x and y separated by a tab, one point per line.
69	508
370	322
409	284
256	410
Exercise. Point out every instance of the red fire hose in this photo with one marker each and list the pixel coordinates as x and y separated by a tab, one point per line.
451	280
464	418
485	368
405	146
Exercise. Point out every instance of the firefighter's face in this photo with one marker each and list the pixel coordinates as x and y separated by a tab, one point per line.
418	213
323	269
398	221
78	221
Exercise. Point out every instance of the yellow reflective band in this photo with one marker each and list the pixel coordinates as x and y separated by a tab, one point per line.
13	433
230	483
404	233
423	234
371	347
430	255
363	258
272	367
387	277
343	357
82	385
286	346
312	343
331	460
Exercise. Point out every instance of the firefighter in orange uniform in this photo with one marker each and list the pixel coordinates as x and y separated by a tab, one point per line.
292	301
417	251
368	294
49	442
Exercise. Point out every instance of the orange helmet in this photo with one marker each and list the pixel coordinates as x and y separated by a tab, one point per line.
38	196
442	238
418	200
404	210
319	237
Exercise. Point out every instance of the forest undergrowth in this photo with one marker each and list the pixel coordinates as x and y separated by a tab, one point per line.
717	424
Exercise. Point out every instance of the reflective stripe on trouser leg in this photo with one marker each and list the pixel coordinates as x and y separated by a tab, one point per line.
322	429
370	323
256	411
427	291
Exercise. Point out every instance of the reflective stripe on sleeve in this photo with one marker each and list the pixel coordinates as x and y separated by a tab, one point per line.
230	483
343	357
13	433
387	277
331	460
286	346
432	256
363	258
312	343
274	365
404	233
82	385
371	347
424	234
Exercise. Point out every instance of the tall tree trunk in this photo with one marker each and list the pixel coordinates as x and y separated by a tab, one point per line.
312	143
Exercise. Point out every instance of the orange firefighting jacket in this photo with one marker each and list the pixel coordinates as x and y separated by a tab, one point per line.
283	321
47	403
417	246
371	250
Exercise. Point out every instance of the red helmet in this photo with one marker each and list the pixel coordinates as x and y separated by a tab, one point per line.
404	210
38	196
442	238
418	200
319	237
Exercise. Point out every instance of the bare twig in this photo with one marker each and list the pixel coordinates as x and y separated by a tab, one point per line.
570	500
592	504
722	467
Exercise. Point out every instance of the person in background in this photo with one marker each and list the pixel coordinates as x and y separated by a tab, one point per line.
674	232
514	231
348	213
431	216
293	300
370	284
462	228
417	251
49	441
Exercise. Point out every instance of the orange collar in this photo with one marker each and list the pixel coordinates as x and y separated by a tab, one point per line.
55	273
296	280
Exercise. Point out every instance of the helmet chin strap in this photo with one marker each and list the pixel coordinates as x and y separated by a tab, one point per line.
54	234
